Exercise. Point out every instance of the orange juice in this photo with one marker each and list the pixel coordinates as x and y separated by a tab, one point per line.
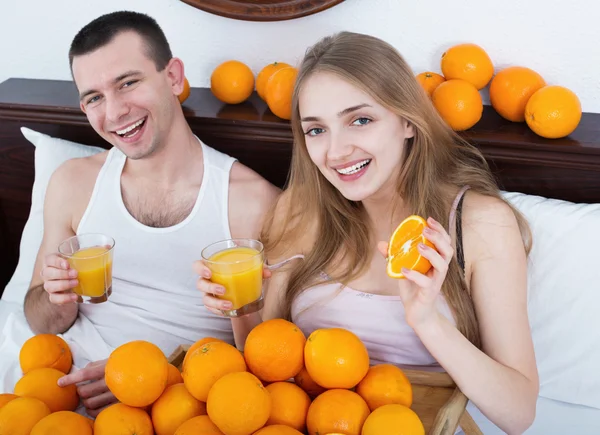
94	271
239	270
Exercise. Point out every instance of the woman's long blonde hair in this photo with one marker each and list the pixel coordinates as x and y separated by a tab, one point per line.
434	159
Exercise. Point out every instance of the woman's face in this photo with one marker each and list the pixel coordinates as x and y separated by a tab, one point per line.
356	143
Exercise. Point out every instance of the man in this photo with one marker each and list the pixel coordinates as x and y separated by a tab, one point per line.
160	193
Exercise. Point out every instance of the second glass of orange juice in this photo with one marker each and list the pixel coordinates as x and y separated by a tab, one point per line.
91	255
237	265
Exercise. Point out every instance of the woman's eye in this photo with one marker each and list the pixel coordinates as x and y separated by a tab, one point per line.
314	131
361	121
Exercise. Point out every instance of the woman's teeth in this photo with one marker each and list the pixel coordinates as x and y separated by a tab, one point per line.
354	168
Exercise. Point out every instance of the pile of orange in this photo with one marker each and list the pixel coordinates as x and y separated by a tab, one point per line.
518	94
282	384
233	82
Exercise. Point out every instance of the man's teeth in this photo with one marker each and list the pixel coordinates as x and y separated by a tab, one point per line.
131	127
354	168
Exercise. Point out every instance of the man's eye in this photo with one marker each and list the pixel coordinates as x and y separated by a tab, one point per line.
93	99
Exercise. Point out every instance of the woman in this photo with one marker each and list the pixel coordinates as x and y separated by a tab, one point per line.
370	150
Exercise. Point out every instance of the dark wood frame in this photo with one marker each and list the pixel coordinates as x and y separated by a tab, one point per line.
257	10
566	168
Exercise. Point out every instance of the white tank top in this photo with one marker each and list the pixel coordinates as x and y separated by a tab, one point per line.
154	295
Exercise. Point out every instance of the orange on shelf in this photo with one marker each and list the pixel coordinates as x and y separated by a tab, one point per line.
429	81
185	93
553	112
511	89
402	248
468	62
458	103
264	75
232	82
279	92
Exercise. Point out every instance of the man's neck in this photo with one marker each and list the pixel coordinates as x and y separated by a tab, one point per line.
172	163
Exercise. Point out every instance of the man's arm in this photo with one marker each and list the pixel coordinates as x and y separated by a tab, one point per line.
49	305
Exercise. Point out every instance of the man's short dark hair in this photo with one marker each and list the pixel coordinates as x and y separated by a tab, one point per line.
103	29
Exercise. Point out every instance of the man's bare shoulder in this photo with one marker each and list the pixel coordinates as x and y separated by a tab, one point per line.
80	170
246	181
250	199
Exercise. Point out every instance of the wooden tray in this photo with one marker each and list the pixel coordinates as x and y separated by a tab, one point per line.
436	399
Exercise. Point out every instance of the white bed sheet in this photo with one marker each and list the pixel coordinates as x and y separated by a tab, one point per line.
15	331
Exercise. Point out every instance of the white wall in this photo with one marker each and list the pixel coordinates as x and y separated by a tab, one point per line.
556	38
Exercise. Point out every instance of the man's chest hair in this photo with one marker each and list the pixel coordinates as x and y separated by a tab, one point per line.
159	209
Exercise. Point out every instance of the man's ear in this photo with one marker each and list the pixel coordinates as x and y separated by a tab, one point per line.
81	106
176	75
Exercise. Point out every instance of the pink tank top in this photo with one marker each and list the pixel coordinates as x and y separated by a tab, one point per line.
378	320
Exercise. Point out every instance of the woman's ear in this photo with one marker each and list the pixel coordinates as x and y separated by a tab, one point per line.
409	129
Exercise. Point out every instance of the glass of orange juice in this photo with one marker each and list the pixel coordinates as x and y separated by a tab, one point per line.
92	256
237	265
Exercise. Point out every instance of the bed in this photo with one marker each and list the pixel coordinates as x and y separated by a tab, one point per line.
556	183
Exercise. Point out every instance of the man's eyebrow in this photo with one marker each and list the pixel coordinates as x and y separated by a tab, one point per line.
116	80
340	114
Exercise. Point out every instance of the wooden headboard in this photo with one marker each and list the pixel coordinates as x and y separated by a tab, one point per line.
566	169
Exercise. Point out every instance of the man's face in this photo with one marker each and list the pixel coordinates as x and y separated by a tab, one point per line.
127	101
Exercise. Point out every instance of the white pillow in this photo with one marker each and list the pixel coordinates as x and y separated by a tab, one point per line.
564	296
50	153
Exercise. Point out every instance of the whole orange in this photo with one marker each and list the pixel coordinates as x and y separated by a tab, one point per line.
337	411
279	92
63	423
200	425
173	408
123	420
43	384
5	398
19	416
207	364
277	429
393	420
459	103
336	358
510	90
45	350
289	405
385	384
238	404
274	350
136	373
264	75
429	81
196	345
304	381
553	112
173	376
185	93
232	82
468	62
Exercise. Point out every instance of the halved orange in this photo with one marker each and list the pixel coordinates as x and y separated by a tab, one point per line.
402	250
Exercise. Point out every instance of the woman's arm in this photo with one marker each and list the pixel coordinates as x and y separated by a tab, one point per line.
502	381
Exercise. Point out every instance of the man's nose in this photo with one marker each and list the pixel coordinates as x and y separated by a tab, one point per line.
116	108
